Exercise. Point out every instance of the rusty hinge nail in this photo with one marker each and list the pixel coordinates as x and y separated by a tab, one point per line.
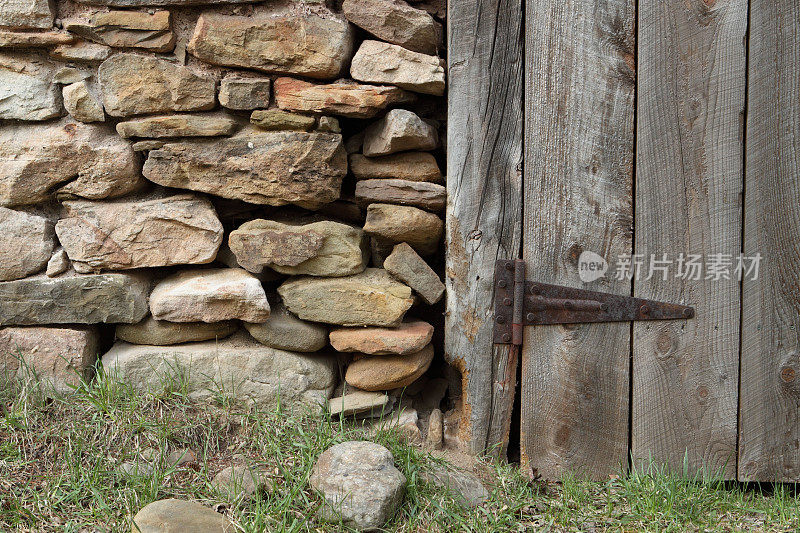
502	284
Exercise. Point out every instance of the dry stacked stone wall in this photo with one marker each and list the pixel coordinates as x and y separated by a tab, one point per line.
236	196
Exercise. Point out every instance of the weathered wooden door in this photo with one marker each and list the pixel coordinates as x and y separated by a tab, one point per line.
665	138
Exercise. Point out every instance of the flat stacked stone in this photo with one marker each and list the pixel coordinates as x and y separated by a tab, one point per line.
134	84
410	166
182	125
428	196
409	337
244	93
273	168
74	299
27	14
387	372
140	232
344	98
282	42
399	131
394	21
210	295
395	223
284	331
27	91
82	104
237	365
371	298
126	29
162	333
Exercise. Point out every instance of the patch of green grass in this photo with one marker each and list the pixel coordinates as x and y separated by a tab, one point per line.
59	463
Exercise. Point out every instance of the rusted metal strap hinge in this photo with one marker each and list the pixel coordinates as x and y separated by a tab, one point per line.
519	303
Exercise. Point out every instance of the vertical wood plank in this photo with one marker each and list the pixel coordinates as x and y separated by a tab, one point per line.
484	210
579	110
688	200
769	438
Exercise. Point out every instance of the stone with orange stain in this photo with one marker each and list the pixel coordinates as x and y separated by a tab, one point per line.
343	98
410	337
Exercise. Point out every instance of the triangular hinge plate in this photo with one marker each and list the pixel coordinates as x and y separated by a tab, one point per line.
519	303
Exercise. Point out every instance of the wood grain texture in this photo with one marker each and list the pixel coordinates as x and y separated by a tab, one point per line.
689	180
579	110
484	185
769	436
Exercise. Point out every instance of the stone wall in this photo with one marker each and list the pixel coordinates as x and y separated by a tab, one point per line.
224	195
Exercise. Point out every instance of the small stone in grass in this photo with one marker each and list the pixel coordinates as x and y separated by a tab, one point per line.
179	516
464	487
238	482
435	430
359	483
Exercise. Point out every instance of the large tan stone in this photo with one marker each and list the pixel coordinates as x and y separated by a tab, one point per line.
27	244
428	196
135	84
92	163
27	14
52	358
409	337
238	366
27	91
377	62
140	232
162	333
209	295
399	223
284	331
344	98
387	372
322	248
74	299
126	29
287	42
399	131
184	125
394	21
411	166
371	298
273	168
